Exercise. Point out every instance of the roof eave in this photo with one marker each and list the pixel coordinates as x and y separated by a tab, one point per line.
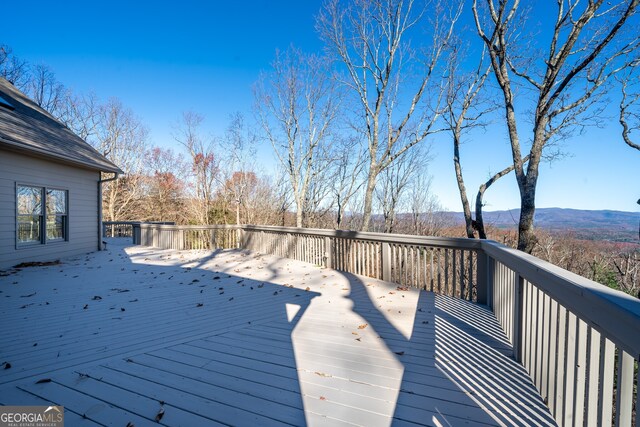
16	146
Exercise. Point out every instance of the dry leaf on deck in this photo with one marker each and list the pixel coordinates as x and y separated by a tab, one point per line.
159	415
364	325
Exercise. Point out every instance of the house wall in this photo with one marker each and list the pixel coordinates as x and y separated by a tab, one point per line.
82	207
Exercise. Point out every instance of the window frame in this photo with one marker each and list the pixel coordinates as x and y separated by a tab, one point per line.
42	215
65	216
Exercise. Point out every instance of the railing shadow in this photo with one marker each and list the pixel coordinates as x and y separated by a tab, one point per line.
457	364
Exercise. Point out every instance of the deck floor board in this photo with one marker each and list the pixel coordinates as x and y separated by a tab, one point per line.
237	338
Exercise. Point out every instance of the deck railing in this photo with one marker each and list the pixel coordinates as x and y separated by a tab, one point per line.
579	340
123	228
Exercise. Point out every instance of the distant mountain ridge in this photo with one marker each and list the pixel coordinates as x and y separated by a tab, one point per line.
596	224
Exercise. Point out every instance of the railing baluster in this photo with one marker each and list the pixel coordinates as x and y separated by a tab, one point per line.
562	351
593	363
580	375
605	389
552	354
624	395
569	369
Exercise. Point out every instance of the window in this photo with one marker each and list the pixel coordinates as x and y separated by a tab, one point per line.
29	214
42	215
6	104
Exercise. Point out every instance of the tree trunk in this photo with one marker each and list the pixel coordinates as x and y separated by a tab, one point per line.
479	225
299	216
526	235
463	191
479	219
368	198
339	213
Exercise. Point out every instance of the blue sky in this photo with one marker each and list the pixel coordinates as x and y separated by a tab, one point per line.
163	58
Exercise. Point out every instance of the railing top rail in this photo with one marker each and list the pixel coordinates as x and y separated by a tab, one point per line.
444	242
166	226
612	312
138	222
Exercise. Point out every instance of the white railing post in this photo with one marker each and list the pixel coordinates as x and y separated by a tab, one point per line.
386	261
328	252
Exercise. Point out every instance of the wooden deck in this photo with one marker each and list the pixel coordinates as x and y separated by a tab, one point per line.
237	338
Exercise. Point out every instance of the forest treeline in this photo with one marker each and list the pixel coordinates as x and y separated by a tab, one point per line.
351	127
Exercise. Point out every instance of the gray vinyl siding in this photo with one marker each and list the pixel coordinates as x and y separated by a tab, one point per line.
82	207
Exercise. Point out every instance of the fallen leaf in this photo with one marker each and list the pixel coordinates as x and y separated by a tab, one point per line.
130	424
7	365
27	296
122	309
96	298
199	304
159	415
363	326
323	398
231	299
85	306
307	289
43	380
322	374
399	353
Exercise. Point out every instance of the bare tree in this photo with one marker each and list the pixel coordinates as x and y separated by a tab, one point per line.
346	177
586	43
427	215
394	183
45	90
297	105
204	165
122	138
464	111
164	187
398	88
80	113
12	68
629	117
238	164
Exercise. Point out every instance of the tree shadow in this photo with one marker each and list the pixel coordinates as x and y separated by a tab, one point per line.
124	332
457	364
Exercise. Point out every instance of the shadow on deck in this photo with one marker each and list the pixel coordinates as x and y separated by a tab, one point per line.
231	337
